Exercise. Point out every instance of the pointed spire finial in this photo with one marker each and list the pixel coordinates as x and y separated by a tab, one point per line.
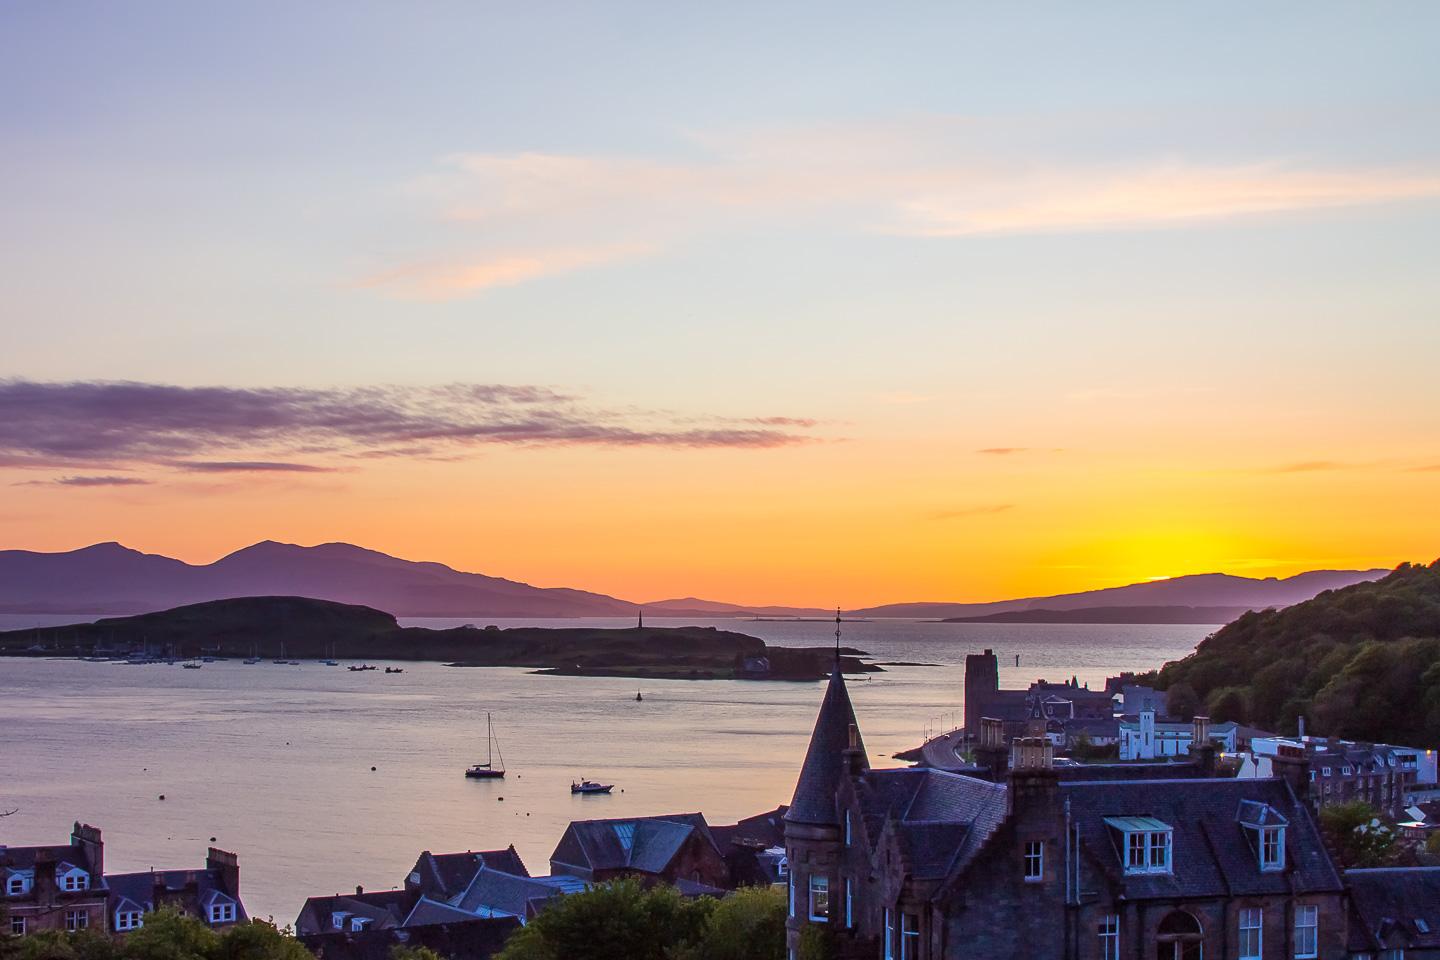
837	634
640	618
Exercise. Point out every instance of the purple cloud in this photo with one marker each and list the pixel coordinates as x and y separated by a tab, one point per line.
125	422
248	466
104	481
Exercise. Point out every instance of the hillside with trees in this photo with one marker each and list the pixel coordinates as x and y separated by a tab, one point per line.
1362	663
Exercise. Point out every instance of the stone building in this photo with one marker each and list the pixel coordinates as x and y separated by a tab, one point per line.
1018	858
1383	775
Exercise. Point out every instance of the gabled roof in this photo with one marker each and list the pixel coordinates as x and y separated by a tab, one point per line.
942	819
814	800
427	911
444	876
1385	904
197	889
1212	853
644	844
384	908
495	892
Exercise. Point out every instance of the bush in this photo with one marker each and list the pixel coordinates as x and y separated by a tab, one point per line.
1357	835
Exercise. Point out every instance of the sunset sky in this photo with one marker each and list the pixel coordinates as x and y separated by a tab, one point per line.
791	303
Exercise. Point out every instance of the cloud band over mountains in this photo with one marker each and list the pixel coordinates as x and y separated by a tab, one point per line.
236	430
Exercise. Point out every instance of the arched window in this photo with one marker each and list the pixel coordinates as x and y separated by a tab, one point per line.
1179	937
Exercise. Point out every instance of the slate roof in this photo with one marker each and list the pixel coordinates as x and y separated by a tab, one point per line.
942	819
814	800
1385	904
1113	772
25	858
652	842
197	889
443	876
498	892
427	911
1213	854
384	908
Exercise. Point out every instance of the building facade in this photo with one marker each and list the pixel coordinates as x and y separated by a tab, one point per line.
1019	858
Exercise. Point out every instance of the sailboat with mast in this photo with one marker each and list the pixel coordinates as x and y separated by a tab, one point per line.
488	770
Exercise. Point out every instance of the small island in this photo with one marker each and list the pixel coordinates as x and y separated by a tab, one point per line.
303	628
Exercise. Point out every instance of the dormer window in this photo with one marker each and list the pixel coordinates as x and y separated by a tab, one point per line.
222	912
359	923
1272	848
337	919
1146	843
128	920
75	880
18	884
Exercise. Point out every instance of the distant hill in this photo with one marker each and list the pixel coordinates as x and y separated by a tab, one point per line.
689	606
299	627
1362	662
1197	590
110	578
1216	615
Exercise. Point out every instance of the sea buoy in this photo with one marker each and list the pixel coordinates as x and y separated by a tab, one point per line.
162	796
372	769
212	839
501	799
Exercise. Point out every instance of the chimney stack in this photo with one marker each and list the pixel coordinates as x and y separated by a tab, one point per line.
88	839
1034	786
1292	763
227	865
990	751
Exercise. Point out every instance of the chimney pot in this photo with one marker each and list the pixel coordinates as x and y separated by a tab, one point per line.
359	890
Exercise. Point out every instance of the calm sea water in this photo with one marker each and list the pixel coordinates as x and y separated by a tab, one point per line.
274	762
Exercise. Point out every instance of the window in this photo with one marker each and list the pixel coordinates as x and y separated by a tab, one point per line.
1345	771
128	920
1272	848
1147	852
359	923
76	880
849	903
1397	954
625	833
847	828
337	919
1250	921
1325	771
225	912
76	920
792	894
17	926
819	898
909	936
783	867
1108	930
889	934
1307	930
17	884
1034	861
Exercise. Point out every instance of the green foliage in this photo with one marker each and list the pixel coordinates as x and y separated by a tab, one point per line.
747	925
166	935
1362	663
1357	835
1182	701
614	921
398	952
1086	752
816	943
1432	845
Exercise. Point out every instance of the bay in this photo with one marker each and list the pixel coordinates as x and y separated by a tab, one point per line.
275	761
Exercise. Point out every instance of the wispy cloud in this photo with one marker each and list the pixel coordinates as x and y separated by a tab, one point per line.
203	428
1002	451
97	481
925	178
1426	468
975	511
449	280
248	466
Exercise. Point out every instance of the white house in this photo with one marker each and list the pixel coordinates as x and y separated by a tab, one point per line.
1145	738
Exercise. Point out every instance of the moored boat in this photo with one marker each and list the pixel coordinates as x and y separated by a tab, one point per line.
487	770
590	786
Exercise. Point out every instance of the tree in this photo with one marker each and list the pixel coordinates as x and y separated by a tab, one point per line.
1356	835
747	925
614	921
1181	701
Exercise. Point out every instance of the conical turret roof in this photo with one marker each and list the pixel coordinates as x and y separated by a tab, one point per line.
814	800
